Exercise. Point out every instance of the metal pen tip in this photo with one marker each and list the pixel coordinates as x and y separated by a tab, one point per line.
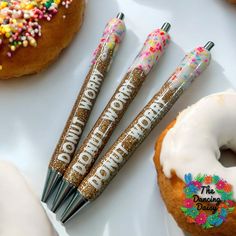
75	205
65	190
209	45
120	16
166	27
52	180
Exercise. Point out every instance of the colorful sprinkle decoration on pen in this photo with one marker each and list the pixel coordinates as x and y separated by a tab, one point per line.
152	50
112	36
20	20
193	64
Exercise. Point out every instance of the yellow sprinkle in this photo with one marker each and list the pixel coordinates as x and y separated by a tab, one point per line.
152	43
33	42
110	45
6	28
25	43
8	35
3	5
0	67
13	48
29	6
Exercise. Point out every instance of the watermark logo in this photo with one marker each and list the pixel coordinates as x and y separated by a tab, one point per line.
207	200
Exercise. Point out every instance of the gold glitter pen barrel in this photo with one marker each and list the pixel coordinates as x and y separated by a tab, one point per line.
98	137
69	140
110	164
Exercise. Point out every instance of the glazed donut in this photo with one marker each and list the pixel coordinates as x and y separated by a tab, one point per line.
190	146
34	32
21	212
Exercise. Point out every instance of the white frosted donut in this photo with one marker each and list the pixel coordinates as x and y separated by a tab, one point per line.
21	213
193	144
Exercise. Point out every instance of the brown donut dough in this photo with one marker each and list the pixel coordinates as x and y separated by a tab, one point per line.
56	35
232	1
172	194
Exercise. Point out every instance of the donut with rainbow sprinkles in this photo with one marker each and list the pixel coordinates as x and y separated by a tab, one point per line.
34	32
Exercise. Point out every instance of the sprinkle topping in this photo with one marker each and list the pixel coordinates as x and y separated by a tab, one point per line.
152	50
193	64
111	38
20	20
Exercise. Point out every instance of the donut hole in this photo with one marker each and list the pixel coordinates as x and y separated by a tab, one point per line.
227	157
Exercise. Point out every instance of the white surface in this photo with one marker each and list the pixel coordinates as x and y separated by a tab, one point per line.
35	109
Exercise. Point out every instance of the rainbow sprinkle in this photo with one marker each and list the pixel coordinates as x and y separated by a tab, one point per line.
20	21
152	50
193	64
111	38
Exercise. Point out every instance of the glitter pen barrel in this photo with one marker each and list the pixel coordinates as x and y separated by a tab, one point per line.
125	93
69	140
110	164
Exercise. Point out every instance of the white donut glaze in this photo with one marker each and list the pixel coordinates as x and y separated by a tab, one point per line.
21	213
193	144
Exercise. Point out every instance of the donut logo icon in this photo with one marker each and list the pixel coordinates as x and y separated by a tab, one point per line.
207	200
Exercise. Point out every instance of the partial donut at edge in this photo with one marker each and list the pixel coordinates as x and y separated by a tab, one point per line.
172	194
56	35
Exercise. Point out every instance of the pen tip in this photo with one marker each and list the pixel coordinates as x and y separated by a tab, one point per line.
52	179
209	45
64	191
166	27
75	205
120	16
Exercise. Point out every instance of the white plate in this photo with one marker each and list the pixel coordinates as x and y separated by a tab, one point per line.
35	109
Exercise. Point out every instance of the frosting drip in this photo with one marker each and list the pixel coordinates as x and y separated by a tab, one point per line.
193	144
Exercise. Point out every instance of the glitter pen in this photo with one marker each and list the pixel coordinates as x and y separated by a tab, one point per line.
98	137
69	140
110	164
